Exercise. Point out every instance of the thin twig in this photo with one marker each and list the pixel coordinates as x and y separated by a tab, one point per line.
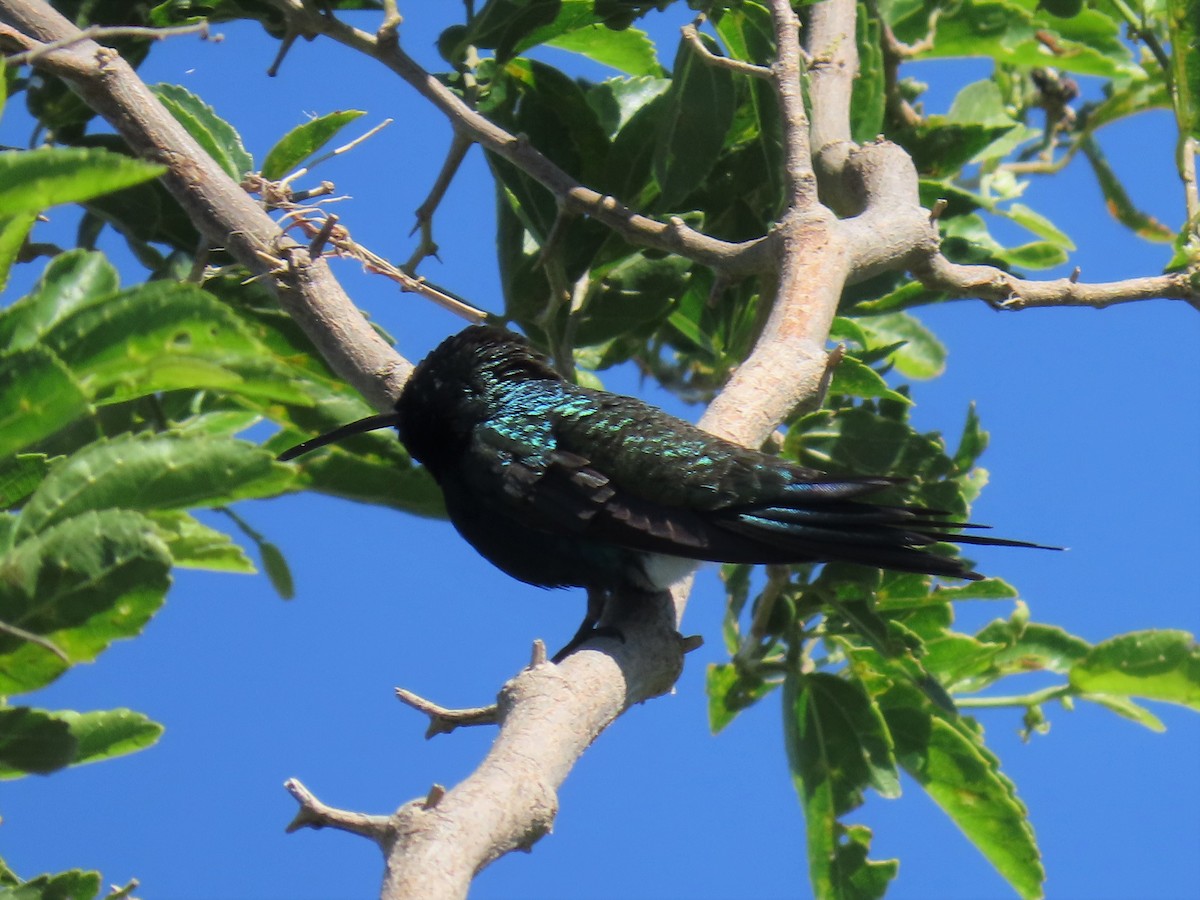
107	32
443	720
455	155
786	71
1008	292
345	148
745	257
691	36
315	814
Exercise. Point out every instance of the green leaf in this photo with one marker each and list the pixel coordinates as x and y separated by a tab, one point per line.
504	24
20	475
634	293
980	103
1035	222
74	884
152	472
617	100
389	480
13	232
273	560
838	744
194	545
984	589
38	396
868	92
1034	255
1183	24
1126	709
40	741
70	280
165	336
1011	33
972	443
35	180
295	147
856	378
33	741
104	734
699	111
940	147
1117	199
630	51
1157	665
217	137
951	763
922	356
81	584
730	691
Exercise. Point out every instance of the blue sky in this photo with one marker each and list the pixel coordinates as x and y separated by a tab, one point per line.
1095	445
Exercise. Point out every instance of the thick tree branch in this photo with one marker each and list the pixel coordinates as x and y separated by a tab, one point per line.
219	207
829	40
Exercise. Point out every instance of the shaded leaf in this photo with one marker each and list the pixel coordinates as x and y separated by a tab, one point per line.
40	741
868	99
699	111
38	397
33	741
837	745
74	884
730	691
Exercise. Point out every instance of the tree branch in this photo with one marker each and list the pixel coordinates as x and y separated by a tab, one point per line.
220	208
1005	291
744	257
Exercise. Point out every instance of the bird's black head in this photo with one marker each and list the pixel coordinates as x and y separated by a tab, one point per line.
455	386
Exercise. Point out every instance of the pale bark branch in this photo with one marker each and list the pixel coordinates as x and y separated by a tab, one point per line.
219	207
691	36
1005	291
549	714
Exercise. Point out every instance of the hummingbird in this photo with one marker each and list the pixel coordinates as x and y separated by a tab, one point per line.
566	486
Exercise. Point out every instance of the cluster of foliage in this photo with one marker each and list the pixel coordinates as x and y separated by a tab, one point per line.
121	407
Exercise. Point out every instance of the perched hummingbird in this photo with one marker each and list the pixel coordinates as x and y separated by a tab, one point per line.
560	485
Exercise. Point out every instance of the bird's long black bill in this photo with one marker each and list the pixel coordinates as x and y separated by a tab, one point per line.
370	423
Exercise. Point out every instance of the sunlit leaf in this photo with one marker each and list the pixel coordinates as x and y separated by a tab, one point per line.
1157	665
303	141
81	584
35	180
154	471
950	762
218	138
